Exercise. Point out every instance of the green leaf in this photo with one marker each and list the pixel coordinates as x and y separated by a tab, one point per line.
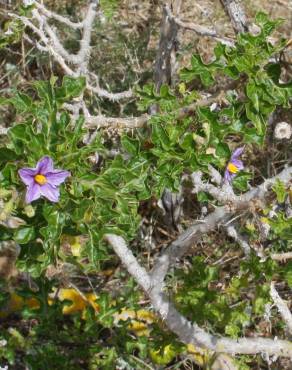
46	92
159	136
267	26
71	88
251	92
280	190
7	155
19	132
202	196
223	151
199	69
22	102
256	118
288	273
240	182
23	236
131	145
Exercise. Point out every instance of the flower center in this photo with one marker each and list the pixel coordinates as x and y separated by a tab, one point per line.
40	179
232	168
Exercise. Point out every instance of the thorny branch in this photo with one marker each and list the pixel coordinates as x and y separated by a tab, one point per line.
200	30
135	122
282	308
77	64
153	282
281	256
73	64
218	217
233	233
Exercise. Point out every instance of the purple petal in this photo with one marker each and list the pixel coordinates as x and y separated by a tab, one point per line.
50	192
237	152
227	176
33	193
57	177
45	165
237	163
27	175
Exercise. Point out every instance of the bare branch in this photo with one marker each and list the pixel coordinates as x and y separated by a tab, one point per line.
282	307
187	332
72	64
220	216
35	43
215	175
236	14
58	17
138	272
3	130
116	122
180	246
135	122
223	193
282	257
233	233
167	43
200	30
80	59
102	93
47	44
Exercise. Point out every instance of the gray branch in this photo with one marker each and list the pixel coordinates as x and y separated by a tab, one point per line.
167	45
222	193
72	64
282	257
59	18
233	233
187	332
220	216
200	30
236	14
282	308
135	122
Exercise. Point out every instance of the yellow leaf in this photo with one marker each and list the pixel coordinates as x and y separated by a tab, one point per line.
73	243
17	303
198	354
140	320
79	302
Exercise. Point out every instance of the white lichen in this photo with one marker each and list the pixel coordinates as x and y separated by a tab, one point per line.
283	130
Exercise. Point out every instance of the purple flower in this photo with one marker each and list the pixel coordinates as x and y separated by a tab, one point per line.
43	180
234	165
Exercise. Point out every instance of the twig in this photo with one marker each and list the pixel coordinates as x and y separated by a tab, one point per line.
139	273
102	93
200	30
282	307
135	122
232	232
221	214
3	130
215	175
116	122
58	17
72	64
223	193
281	256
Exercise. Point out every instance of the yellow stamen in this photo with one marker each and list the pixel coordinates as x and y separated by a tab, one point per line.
40	179
232	168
